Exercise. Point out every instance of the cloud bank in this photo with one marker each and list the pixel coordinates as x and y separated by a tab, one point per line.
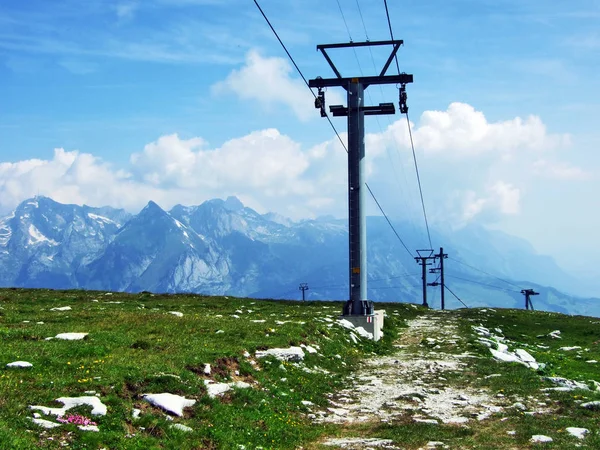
485	166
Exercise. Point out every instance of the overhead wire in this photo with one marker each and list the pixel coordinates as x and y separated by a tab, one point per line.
482	284
486	273
362	19
299	71
392	165
388	220
377	118
412	145
387	13
327	116
344	19
456	296
395	278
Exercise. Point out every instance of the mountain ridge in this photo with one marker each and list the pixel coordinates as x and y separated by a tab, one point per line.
224	247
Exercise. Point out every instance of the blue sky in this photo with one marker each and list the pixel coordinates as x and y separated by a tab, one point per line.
183	100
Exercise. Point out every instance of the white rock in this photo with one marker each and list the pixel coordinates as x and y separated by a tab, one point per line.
176	313
482	331
206	369
19	364
485	341
431	421
502	348
524	356
579	433
71	336
346	323
216	389
219	332
181	427
435	444
307	403
359	443
283	354
338	411
98	408
136	413
364	333
88	428
310	349
595	406
512	432
536	438
564	382
45	423
169	402
506	357
592	361
62	308
568	349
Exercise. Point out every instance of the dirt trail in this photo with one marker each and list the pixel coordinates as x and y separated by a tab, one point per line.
412	384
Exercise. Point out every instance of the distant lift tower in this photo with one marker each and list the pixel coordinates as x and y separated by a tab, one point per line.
528	293
303	287
358	305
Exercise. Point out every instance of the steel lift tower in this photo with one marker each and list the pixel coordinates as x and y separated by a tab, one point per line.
358	306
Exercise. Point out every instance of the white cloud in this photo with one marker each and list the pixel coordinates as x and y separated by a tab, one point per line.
267	170
272	172
269	82
559	170
497	199
462	131
261	160
70	177
506	196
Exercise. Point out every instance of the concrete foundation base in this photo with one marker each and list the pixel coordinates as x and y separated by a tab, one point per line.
372	323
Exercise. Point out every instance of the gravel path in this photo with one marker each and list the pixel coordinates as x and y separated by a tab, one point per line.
410	384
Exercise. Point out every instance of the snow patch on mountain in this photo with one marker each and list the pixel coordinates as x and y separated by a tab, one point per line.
100	219
35	237
5	233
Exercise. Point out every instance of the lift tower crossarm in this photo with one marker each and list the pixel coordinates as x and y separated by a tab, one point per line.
396	44
357	305
403	78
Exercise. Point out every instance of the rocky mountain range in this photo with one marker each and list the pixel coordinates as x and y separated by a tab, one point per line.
222	247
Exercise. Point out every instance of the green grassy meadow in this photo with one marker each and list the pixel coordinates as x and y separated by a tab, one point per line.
137	346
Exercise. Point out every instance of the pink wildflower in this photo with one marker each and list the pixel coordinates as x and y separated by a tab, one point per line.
76	419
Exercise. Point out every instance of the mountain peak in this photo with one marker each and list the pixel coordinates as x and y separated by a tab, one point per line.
152	208
233	204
